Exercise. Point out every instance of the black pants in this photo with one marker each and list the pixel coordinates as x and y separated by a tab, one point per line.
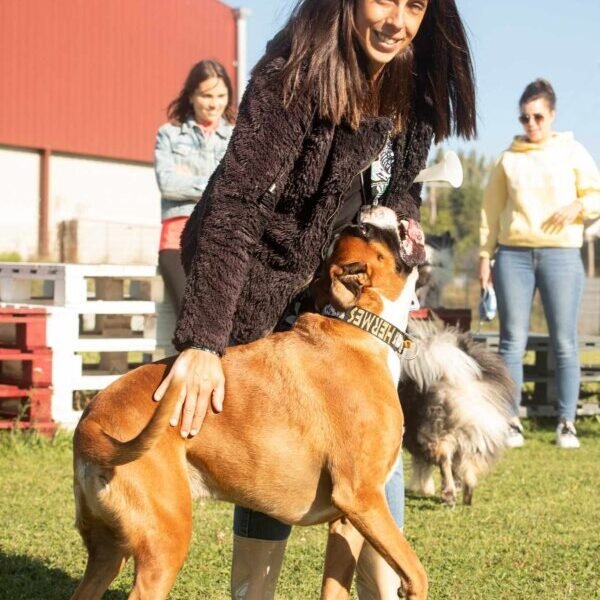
171	270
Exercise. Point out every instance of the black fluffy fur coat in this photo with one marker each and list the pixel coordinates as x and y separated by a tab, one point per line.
261	228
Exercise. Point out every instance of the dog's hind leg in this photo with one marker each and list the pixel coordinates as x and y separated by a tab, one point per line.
105	561
367	510
161	539
344	544
158	564
105	554
469	481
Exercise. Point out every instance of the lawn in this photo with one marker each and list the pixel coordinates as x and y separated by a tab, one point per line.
532	533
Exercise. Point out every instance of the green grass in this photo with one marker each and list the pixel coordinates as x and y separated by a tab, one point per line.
532	533
10	257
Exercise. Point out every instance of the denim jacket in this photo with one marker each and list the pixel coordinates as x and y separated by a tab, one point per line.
184	160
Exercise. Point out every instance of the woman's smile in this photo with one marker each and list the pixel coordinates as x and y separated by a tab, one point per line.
386	28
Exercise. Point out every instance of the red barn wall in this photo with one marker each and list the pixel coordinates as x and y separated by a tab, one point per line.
94	77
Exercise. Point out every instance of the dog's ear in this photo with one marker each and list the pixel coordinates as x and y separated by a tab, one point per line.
412	243
347	282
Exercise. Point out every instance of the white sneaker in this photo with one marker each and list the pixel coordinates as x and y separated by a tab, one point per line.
566	435
515	438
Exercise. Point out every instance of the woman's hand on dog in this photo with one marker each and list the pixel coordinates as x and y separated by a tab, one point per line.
197	377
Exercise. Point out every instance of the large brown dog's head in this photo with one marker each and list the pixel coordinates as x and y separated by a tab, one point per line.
370	262
411	240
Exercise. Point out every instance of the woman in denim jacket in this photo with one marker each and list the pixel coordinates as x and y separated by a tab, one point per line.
188	149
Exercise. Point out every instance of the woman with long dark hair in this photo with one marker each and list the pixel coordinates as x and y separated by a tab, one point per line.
340	112
188	149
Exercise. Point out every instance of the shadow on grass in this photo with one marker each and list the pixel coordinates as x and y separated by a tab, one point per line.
29	578
421	502
587	427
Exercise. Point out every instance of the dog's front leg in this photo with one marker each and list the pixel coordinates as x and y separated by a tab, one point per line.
448	485
367	510
344	544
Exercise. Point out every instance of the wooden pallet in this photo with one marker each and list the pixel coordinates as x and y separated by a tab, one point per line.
30	406
454	317
64	283
25	370
108	310
542	373
25	329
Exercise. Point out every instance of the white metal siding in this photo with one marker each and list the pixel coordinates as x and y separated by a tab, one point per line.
19	201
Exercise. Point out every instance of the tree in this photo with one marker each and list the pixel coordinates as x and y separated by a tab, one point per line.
458	210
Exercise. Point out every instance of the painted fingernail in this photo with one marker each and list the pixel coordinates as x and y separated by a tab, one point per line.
184	434
193	432
173	422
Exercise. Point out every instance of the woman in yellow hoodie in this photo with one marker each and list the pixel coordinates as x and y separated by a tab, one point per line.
539	193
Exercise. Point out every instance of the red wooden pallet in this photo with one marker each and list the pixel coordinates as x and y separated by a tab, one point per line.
456	317
35	371
30	409
30	326
25	393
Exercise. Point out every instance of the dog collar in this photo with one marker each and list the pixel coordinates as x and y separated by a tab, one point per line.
368	321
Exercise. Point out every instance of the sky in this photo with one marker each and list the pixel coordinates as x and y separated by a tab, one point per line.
513	42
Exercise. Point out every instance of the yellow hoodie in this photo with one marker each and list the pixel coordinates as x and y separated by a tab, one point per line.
528	184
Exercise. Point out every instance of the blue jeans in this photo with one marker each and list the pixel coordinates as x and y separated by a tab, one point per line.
559	276
252	524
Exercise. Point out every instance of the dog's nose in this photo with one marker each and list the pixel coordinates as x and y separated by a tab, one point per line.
414	303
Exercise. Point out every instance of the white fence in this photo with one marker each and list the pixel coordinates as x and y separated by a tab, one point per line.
111	311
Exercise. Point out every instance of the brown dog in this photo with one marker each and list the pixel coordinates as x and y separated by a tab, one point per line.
310	430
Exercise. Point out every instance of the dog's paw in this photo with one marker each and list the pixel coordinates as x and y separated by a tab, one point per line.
467	496
449	498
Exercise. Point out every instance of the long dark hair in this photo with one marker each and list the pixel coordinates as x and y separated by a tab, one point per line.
540	88
180	108
433	78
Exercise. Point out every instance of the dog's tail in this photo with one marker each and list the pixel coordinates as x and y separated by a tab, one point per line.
98	447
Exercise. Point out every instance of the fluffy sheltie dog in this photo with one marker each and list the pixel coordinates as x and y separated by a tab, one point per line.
456	396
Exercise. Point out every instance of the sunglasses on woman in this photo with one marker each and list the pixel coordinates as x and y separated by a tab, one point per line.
524	119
